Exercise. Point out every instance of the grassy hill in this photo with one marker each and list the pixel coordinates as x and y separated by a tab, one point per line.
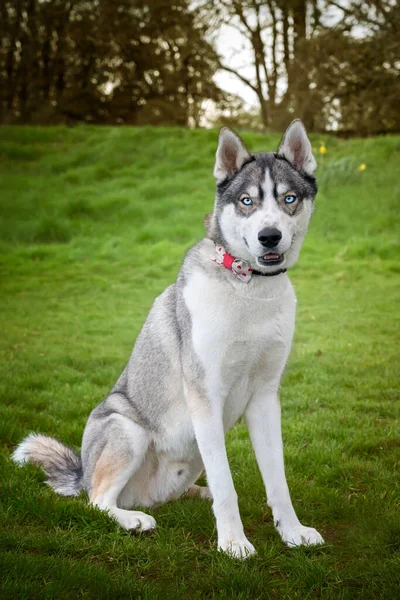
94	225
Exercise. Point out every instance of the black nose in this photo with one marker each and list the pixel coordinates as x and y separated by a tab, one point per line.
269	237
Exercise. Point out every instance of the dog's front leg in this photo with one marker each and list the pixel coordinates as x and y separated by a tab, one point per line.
210	436
263	416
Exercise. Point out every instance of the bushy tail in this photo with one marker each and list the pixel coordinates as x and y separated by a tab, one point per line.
61	465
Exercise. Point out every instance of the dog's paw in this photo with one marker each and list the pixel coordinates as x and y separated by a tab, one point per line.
137	522
200	491
204	493
301	536
237	548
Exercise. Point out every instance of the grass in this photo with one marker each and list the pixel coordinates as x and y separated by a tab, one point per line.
94	225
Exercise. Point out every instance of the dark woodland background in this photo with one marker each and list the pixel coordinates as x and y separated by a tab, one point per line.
153	62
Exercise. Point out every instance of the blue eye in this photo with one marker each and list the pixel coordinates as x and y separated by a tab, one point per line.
247	201
290	198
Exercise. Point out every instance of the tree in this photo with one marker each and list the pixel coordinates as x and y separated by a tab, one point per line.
339	72
354	68
276	31
100	61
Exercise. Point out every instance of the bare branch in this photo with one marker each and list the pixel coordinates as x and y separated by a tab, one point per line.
239	76
351	13
240	14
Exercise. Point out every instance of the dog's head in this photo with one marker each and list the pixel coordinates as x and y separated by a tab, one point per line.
264	201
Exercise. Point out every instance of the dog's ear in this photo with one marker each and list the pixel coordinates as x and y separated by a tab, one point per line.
231	154
296	148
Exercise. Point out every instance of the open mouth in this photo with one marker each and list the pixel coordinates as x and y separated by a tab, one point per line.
270	259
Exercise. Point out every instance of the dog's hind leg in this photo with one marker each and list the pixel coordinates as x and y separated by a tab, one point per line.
198	491
117	459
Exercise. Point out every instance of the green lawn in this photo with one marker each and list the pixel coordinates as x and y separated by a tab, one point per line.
94	225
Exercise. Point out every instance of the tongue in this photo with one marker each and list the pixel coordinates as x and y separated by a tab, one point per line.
270	255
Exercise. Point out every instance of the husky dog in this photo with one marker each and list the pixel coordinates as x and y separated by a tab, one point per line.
213	348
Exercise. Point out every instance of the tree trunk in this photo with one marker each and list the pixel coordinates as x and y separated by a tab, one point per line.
299	12
274	74
258	61
10	60
298	90
46	84
286	46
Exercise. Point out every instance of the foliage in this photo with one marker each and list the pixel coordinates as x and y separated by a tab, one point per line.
359	85
333	64
125	62
94	224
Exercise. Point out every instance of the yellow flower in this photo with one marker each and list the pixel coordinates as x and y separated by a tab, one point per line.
322	149
362	167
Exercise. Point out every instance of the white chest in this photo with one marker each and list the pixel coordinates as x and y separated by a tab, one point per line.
240	335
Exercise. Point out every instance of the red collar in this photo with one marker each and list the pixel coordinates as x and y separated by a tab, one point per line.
240	268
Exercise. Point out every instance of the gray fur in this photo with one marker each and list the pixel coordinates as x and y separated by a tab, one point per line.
62	466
